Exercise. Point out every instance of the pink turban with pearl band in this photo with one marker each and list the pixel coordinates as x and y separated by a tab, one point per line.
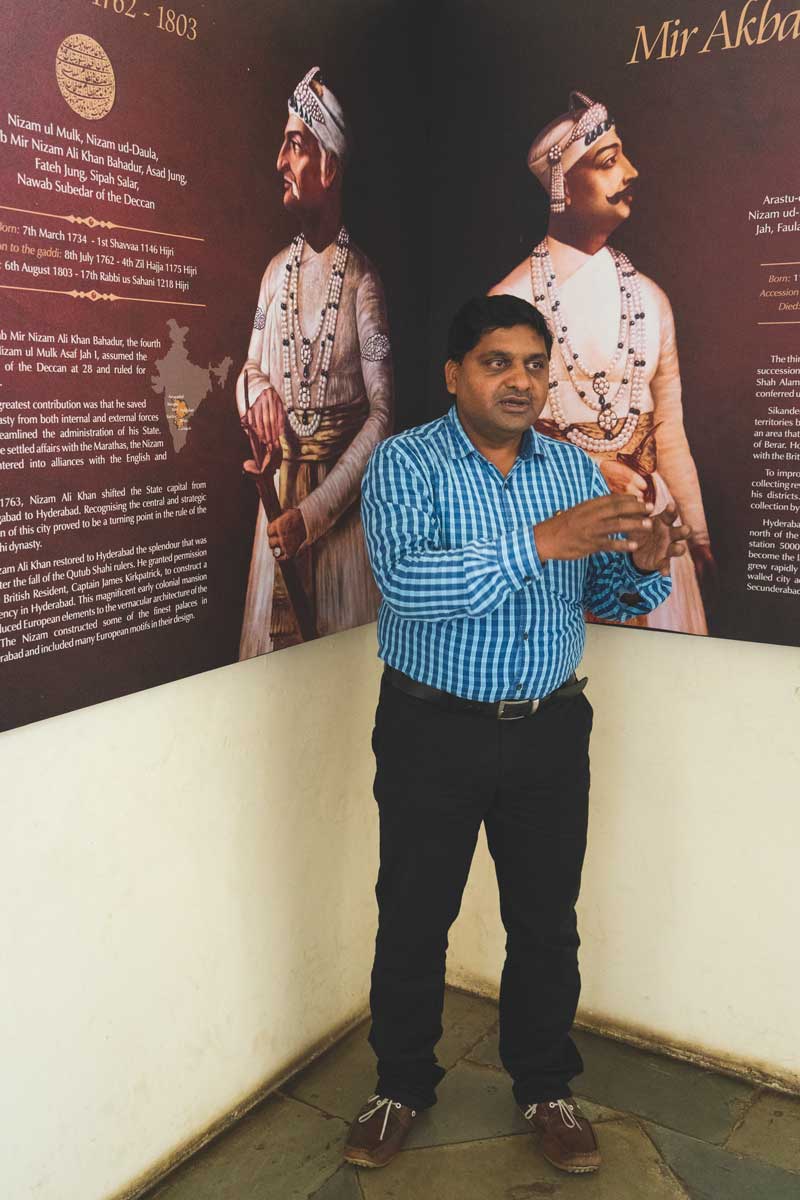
565	140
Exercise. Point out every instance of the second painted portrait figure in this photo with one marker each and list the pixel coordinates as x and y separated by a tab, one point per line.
615	385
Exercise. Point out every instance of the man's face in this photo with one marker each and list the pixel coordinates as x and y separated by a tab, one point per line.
300	165
600	186
500	386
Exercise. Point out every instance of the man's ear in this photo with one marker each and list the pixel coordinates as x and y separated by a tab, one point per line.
451	369
330	168
567	197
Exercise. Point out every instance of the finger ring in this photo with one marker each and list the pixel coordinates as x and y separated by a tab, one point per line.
277	551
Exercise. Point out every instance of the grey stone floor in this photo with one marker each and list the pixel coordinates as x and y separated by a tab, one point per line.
667	1131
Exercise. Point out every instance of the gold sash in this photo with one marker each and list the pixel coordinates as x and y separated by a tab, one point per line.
306	463
337	428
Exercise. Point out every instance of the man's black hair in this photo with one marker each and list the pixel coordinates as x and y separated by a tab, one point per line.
484	313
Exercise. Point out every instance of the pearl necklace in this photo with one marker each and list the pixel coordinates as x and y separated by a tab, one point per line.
300	372
630	351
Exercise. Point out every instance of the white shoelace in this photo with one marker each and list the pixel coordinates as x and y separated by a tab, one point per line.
567	1113
379	1102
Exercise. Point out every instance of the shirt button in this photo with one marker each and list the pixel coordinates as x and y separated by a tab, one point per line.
527	579
519	687
524	637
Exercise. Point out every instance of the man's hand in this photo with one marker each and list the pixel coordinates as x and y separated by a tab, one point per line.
590	527
287	533
664	540
622	480
267	419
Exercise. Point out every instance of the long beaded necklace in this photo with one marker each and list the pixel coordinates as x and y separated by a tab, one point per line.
594	386
300	372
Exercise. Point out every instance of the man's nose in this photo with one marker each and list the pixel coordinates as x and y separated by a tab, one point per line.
517	378
283	160
629	170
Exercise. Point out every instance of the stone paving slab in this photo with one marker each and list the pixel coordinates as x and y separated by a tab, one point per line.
340	1081
465	1019
676	1094
709	1173
511	1169
475	1103
771	1131
343	1185
281	1151
487	1051
472	1103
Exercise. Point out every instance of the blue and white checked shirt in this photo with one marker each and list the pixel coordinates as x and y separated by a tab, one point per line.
467	605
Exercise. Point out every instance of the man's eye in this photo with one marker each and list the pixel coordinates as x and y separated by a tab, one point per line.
609	162
498	362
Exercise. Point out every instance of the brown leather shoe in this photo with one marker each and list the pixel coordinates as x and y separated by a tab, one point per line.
568	1140
378	1132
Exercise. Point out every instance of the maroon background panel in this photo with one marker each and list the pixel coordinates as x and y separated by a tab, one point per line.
711	135
213	109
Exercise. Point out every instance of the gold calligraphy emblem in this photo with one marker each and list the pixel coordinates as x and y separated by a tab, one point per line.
85	77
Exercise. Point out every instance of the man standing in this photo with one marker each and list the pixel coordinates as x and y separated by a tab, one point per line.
319	375
615	382
487	541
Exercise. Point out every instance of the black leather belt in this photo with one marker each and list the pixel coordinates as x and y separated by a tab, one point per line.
501	710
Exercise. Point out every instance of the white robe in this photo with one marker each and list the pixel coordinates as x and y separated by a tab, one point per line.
589	292
344	589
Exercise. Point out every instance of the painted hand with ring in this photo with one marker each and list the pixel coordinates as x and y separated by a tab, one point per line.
287	534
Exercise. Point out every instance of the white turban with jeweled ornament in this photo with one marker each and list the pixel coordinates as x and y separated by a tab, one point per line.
318	109
565	140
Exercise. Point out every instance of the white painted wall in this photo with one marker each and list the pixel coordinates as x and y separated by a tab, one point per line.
690	906
186	884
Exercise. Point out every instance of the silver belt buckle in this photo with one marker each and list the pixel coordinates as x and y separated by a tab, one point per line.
504	705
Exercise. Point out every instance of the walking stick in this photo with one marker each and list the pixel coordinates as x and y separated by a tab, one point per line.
265	485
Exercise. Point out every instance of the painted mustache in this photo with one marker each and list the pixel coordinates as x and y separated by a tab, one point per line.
630	189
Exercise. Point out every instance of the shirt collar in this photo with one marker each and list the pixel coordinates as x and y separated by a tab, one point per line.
532	443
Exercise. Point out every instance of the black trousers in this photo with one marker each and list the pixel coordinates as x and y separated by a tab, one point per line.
439	776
